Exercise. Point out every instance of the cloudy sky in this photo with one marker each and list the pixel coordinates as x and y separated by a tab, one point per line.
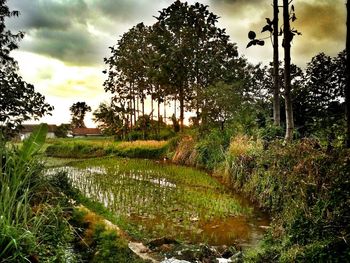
66	40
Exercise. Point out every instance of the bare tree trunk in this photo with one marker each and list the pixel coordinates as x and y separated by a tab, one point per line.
175	105
347	87
134	110
137	108
276	86
181	108
287	78
130	113
164	104
158	130
152	108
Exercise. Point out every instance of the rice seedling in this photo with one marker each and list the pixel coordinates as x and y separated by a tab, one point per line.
165	199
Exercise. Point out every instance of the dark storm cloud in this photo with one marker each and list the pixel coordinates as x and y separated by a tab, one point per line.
322	24
66	29
56	15
125	10
323	20
62	29
74	46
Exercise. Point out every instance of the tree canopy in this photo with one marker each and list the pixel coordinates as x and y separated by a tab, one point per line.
78	112
19	101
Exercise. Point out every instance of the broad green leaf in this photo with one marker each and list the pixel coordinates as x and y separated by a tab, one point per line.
35	141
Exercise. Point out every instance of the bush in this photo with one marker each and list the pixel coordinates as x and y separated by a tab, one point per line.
211	149
75	150
304	187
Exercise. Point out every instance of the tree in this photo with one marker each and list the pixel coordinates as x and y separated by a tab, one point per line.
197	53
109	118
347	89
276	82
18	99
62	130
272	27
288	35
287	80
78	112
318	101
221	107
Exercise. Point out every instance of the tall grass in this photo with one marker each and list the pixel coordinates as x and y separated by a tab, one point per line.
17	182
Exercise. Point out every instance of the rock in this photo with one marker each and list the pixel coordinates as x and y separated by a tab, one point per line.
224	260
142	251
165	248
194	219
161	241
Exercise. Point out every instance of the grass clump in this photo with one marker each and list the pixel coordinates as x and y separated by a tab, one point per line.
32	225
100	243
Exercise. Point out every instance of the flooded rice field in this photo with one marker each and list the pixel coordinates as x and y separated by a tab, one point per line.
169	200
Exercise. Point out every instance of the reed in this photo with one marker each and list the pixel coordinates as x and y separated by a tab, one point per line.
18	226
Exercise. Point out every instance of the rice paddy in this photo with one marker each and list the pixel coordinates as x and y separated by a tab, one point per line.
167	200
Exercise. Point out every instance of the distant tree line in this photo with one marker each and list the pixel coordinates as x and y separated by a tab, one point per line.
186	60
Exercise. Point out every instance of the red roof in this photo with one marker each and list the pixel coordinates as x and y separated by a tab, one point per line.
86	131
31	127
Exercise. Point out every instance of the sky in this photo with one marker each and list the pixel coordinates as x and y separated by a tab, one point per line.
66	40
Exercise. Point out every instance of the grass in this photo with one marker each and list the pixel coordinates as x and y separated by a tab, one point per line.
32	222
79	148
305	188
99	243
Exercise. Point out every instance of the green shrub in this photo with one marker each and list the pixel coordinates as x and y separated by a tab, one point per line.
211	149
304	187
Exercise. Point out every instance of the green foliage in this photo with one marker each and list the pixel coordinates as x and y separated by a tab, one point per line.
19	228
33	144
318	105
75	150
78	112
62	130
19	101
109	118
305	188
99	244
211	148
271	132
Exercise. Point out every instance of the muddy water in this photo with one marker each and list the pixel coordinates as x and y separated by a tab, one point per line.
157	204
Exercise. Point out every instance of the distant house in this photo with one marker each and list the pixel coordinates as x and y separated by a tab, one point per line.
29	128
84	132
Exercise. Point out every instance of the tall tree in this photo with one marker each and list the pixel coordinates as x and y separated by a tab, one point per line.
318	101
272	27
199	55
18	99
287	79
347	88
78	112
276	83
